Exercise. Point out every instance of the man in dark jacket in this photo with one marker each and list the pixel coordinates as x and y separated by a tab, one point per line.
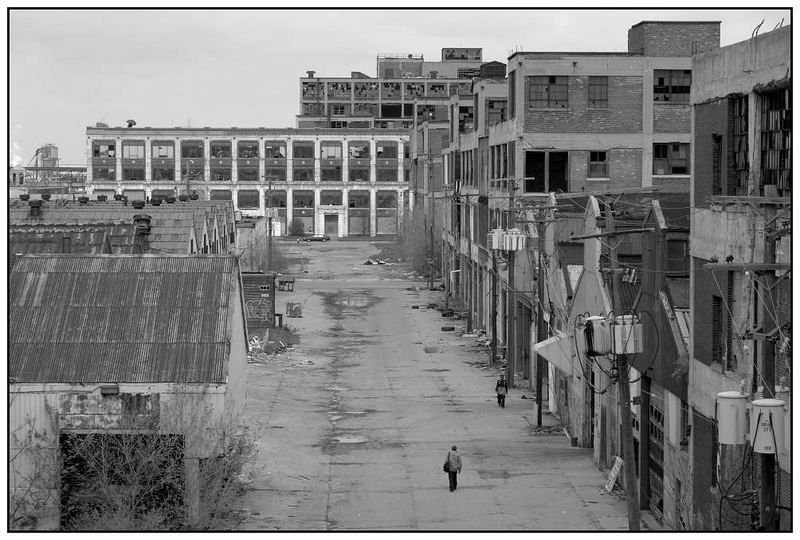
502	389
453	462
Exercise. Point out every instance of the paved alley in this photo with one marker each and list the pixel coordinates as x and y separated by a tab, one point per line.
354	423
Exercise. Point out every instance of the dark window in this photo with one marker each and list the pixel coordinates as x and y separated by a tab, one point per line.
546	92
103	150
303	150
248	174
670	158
330	197
162	174
221	149
678	257
221	174
275	149
496	111
248	199
776	141
672	85
717	344
739	162
598	165
598	92
191	149
546	172
512	81
716	164
386	199
132	175
247	150
104	173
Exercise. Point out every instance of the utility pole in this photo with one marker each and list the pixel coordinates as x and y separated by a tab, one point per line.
469	288
493	350
541	328
767	494
511	314
625	428
269	221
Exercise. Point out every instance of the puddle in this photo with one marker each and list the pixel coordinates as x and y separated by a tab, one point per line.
436	370
350	439
430	350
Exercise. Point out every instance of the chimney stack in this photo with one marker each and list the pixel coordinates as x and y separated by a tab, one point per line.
35	207
310	74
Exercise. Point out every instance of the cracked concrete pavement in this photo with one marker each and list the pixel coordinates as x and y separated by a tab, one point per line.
353	424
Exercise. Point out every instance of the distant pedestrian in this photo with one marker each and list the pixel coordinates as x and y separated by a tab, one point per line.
502	389
452	464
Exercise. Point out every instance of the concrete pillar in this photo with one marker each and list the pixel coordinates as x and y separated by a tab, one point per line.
89	158
148	160
373	211
234	161
345	228
289	158
317	165
289	204
400	201
400	161
206	160
262	202
373	174
262	168
235	197
318	229
192	490
647	126
118	160
177	155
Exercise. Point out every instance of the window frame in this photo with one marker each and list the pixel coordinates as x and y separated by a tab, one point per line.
669	159
597	163
598	102
541	90
668	90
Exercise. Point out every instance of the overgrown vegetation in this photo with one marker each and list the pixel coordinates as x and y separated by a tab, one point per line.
296	227
414	243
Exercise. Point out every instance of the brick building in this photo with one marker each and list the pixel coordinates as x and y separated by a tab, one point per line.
741	276
337	182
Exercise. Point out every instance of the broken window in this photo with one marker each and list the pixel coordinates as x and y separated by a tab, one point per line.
414	90
164	150
303	149
248	174
386	199
496	111
338	124
512	81
133	150
275	149
103	150
672	85
598	92
386	174
275	174
163	174
547	92
365	109
390	90
678	257
312	90
598	165
546	172
365	90
776	141
330	197
104	173
358	174
221	149
247	149
386	149
437	90
331	174
221	174
192	170
221	195
358	149
391	110
739	163
465	118
358	199
303	199
338	90
191	149
132	174
312	109
248	198
670	158
338	109
303	174
331	150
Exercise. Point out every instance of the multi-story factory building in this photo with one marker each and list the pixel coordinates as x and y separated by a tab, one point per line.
336	182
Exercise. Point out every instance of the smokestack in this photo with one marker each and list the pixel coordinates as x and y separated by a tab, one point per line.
35	208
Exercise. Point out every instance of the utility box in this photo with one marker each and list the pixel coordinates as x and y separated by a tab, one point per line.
766	426
731	419
627	332
596	336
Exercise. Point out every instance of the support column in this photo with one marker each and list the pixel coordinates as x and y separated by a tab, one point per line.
118	160
289	158
317	165
318	229
289	207
234	162
206	160
373	174
148	160
262	204
345	203
400	203
262	168
192	490
176	153
373	212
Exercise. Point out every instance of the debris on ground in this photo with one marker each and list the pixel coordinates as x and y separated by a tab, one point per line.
448	328
549	430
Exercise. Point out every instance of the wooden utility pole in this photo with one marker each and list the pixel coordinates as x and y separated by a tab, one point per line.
511	313
493	351
625	428
269	226
769	317
541	327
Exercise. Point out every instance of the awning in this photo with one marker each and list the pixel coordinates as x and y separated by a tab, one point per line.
558	351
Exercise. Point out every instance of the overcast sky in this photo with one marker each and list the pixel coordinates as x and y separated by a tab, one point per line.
71	69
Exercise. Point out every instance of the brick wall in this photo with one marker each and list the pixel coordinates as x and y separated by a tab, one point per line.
624	114
709	118
624	169
672	39
671	118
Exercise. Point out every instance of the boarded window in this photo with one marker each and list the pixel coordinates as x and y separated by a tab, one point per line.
163	150
331	150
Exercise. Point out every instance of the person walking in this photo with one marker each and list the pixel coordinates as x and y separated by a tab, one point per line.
452	464
502	389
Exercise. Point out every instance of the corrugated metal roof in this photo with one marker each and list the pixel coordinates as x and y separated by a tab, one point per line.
106	318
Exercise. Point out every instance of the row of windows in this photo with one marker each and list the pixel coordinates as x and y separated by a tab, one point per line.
552	92
246	149
224	174
384	89
252	199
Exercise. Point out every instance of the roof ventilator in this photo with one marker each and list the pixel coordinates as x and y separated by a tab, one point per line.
142	223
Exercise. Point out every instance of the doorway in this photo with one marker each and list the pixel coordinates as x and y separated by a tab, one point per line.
332	225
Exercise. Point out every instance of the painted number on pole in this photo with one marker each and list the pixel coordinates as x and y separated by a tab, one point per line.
612	475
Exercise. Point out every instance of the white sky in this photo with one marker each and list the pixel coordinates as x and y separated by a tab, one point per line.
71	69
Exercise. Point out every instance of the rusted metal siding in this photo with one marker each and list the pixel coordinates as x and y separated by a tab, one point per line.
112	318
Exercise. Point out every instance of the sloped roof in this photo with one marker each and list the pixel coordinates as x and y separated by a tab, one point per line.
121	318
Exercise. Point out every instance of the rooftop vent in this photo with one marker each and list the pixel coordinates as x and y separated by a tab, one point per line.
310	74
138	204
142	223
83	200
35	208
24	197
102	198
155	201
